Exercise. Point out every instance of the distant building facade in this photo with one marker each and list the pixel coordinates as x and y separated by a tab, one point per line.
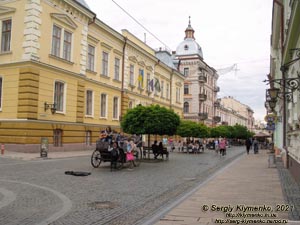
200	85
65	75
232	112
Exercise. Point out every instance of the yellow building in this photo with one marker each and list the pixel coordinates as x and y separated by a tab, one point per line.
65	75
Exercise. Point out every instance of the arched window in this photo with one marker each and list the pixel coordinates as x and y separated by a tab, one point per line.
186	47
186	107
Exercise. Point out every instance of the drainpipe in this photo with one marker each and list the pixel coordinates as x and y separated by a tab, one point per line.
123	74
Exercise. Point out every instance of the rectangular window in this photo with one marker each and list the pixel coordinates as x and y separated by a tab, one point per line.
0	92
57	138
168	91
103	105
56	38
148	82
59	96
91	58
105	63
89	103
67	45
116	108
186	71
6	35
186	89
131	75
117	69
177	94
162	89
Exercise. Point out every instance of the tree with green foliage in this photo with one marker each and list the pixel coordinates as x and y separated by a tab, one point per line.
152	119
192	129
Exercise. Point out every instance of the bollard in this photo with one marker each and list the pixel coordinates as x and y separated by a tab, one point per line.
2	149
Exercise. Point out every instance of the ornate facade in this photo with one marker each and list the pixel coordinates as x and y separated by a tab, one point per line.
65	75
285	77
200	85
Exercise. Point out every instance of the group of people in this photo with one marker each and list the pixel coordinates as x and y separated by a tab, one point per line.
120	147
249	143
220	146
159	150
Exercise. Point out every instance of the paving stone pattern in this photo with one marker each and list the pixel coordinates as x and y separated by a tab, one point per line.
290	189
119	197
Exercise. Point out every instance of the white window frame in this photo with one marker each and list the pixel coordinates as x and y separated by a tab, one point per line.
131	74
117	69
105	64
62	43
86	103
91	58
63	98
115	114
101	106
2	35
162	87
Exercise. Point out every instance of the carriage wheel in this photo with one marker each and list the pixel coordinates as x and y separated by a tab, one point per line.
96	159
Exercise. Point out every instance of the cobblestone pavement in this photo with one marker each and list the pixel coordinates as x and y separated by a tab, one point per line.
290	189
39	192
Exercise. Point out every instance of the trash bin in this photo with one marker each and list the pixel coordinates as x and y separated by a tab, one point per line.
44	147
271	160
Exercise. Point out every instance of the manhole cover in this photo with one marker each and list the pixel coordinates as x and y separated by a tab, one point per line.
102	205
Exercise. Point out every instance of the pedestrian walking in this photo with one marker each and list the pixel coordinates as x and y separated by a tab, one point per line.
222	146
216	143
248	145
255	146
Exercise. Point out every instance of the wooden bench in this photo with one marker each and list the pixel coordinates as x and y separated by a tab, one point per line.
148	150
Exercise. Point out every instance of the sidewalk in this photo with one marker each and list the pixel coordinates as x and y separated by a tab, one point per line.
247	183
51	155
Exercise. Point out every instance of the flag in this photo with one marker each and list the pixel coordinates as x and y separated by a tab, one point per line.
157	85
141	78
151	85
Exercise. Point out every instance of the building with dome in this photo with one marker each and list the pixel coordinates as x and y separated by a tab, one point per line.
200	85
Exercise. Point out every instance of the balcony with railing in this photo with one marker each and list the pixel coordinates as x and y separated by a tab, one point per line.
202	78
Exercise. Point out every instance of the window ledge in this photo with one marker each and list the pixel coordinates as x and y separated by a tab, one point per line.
118	81
6	53
104	76
61	59
91	71
89	116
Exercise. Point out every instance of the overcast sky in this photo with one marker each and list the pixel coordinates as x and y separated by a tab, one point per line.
229	32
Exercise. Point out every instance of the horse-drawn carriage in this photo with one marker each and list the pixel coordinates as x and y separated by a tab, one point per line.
103	154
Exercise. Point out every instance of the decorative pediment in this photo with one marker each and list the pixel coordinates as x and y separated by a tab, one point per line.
132	58
4	10
93	40
149	68
141	63
64	19
178	84
108	47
